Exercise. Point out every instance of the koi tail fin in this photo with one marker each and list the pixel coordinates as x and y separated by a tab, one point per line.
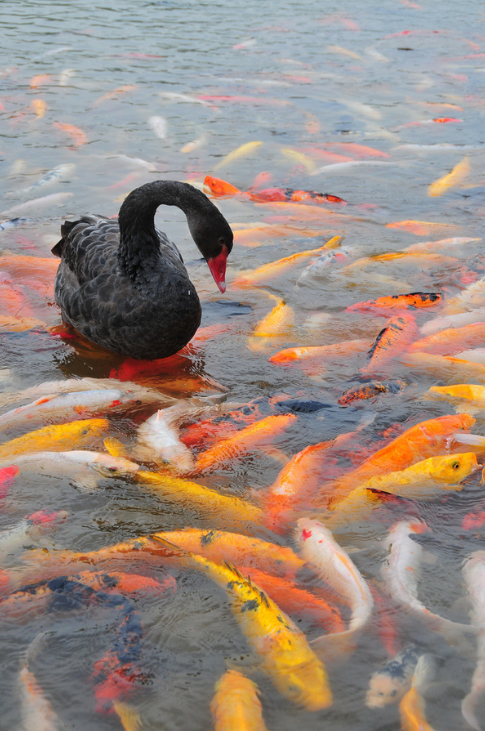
129	717
468	708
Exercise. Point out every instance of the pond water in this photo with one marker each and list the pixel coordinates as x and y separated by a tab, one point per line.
367	102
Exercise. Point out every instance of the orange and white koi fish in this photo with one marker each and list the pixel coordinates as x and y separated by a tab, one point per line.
275	268
333	565
474	575
452	340
420	258
40	80
398	334
36	710
414	300
251	437
55	438
247	149
412	706
424	122
285	655
30	529
357	150
441	244
78	136
236	705
390	683
401	571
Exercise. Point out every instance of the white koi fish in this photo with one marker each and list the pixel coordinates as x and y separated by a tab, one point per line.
59	173
401	573
333	565
159	125
474	575
36	710
29	530
159	437
445	321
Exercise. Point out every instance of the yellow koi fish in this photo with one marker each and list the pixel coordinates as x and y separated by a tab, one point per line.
466	391
236	705
277	323
457	176
286	657
422	481
299	157
75	434
241	151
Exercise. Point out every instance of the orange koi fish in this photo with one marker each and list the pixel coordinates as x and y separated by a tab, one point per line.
251	437
452	340
74	435
294	600
40	80
426	439
415	300
275	268
358	151
220	188
116	92
421	228
78	136
392	340
335	351
236	704
370	390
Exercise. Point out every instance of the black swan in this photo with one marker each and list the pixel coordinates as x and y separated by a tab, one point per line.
123	284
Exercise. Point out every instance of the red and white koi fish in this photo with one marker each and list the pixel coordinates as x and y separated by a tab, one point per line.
29	530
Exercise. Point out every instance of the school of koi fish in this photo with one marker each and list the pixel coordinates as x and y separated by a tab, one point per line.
317	451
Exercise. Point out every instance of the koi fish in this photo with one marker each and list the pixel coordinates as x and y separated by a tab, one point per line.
421	228
445	367
54	199
53	176
416	258
467	391
346	165
459	173
84	468
79	137
29	530
220	188
425	439
159	438
236	704
335	351
114	93
40	80
452	340
39	106
474	575
58	408
299	157
414	300
441	244
55	438
7	478
233	511
358	150
422	481
159	125
391	683
392	340
36	710
285	655
424	122
334	566
275	268
13	223
401	571
294	600
412	705
276	324
251	437
370	390
242	151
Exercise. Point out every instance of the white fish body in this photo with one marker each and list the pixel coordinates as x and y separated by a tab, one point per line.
389	683
71	385
27	531
471	296
37	712
446	321
174	96
56	408
54	199
335	167
59	173
325	260
441	244
333	565
474	574
159	125
474	355
195	144
401	572
65	75
161	436
82	468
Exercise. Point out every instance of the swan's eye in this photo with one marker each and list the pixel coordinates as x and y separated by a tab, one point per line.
222	241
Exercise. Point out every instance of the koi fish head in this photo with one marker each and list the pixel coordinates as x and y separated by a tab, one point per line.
454	468
218	187
307	685
384	689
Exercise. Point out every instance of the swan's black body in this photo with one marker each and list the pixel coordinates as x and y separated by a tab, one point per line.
123	285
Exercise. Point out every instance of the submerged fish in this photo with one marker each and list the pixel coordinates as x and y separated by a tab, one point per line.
159	437
412	705
55	438
284	653
452	179
415	300
370	390
390	683
474	575
78	136
398	334
236	705
239	152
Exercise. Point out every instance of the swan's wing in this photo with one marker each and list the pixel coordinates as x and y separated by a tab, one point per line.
86	245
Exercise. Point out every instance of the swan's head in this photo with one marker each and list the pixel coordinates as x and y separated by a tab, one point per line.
214	238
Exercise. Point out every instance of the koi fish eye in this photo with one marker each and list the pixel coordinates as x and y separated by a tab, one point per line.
455	465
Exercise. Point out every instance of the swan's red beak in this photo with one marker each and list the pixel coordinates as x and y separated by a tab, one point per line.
217	266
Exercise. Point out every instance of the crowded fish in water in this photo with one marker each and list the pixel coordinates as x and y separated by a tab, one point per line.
242	445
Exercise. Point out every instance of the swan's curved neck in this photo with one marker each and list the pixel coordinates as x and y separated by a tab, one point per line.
139	242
